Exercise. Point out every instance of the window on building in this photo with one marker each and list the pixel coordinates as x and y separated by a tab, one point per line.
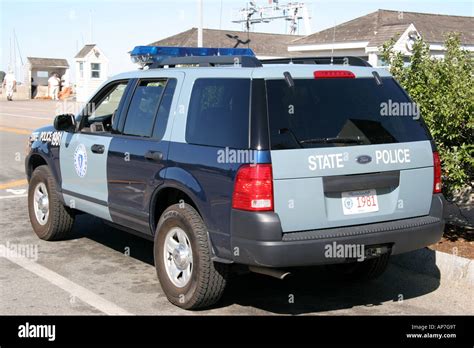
143	108
42	74
95	70
81	70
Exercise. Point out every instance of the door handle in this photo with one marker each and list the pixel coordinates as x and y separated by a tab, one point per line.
97	148
154	155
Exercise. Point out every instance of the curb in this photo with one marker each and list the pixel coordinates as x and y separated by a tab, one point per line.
446	267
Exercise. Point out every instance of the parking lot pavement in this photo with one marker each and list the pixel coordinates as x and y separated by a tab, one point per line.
100	270
30	114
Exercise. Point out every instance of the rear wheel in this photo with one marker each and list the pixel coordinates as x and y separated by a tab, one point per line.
50	219
365	270
187	274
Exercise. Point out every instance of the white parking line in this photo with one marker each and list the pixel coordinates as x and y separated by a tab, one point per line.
65	284
13	196
23	116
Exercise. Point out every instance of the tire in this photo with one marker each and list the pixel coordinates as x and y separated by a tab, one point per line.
206	280
57	223
362	271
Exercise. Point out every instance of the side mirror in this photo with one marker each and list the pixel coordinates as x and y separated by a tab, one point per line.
65	122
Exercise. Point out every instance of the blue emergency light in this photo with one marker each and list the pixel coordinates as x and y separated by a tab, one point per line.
145	55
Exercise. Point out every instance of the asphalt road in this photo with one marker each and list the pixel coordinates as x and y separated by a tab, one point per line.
100	270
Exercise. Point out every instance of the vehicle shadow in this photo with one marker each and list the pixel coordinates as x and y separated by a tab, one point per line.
317	290
307	290
88	226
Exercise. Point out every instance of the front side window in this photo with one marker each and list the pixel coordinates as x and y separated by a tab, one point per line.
144	107
81	70
95	70
219	113
103	106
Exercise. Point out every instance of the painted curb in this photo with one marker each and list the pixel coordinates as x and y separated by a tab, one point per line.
446	267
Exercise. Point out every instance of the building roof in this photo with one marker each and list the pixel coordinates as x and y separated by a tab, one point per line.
378	27
36	62
84	51
263	44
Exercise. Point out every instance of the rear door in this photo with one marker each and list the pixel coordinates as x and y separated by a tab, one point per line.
342	156
138	153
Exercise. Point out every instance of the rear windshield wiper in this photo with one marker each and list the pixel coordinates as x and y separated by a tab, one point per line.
333	140
292	134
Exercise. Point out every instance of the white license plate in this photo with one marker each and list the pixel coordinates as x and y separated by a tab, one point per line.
359	202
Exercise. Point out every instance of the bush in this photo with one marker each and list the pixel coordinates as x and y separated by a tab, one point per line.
444	91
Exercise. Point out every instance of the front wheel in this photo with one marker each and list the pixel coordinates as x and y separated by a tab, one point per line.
187	274
50	219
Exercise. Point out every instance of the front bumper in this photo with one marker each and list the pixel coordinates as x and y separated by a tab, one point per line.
257	238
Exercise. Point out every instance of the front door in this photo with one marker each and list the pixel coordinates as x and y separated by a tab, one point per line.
83	154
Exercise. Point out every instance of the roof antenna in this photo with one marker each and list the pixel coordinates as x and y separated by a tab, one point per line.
333	42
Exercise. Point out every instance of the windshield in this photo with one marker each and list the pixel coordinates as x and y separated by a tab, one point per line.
341	112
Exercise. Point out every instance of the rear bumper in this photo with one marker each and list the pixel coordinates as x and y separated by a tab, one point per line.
257	238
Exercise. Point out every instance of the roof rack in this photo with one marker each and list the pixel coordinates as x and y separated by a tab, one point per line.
208	61
349	60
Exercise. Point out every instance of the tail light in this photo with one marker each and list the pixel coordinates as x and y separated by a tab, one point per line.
253	190
437	187
334	74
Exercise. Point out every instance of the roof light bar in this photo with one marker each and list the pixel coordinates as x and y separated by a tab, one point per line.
145	55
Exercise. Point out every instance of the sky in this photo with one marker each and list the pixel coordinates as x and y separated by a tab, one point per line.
59	29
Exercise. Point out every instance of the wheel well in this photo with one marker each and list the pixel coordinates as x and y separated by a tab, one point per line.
166	197
34	162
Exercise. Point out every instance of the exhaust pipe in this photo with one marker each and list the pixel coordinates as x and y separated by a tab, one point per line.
276	273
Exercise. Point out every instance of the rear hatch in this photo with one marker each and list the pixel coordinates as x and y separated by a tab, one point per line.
343	155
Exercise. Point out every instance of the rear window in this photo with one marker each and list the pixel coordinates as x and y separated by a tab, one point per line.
219	113
340	112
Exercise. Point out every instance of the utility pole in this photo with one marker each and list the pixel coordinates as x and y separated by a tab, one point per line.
200	21
90	22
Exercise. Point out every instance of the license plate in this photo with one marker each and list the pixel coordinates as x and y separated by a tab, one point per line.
359	202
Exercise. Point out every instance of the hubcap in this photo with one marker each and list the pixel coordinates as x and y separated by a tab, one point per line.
178	257
41	203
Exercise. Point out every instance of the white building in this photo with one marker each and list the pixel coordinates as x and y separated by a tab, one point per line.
39	70
92	69
363	36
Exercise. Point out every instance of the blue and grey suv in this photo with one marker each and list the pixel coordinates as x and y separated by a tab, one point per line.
226	160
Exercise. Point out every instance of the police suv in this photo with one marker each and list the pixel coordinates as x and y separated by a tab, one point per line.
222	159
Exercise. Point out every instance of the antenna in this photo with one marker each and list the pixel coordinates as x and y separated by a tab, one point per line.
291	12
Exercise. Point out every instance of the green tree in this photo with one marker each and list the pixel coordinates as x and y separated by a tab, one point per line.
444	91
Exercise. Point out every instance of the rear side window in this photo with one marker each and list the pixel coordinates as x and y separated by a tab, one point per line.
143	108
219	113
164	110
318	110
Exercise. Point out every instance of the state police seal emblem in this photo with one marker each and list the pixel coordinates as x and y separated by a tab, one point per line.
348	203
80	160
